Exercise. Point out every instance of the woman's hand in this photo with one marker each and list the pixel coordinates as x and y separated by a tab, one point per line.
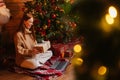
35	51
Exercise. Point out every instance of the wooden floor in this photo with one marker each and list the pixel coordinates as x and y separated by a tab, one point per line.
7	75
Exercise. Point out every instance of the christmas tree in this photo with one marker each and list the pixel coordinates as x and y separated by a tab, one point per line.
52	20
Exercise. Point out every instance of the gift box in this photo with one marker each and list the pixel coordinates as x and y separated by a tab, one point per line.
68	53
43	47
59	49
64	50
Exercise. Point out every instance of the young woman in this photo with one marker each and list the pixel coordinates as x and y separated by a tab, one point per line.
26	55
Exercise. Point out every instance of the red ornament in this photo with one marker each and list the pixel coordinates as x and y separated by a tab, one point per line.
52	1
53	16
48	20
74	25
43	33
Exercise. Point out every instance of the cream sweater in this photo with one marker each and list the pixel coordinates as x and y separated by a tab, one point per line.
23	46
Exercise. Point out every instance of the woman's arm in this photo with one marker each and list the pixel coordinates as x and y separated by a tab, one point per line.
19	46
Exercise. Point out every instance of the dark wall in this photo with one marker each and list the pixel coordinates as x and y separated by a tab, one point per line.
99	47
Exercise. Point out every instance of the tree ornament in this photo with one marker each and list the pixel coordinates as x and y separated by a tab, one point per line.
45	27
43	33
72	1
74	25
57	21
53	16
49	21
52	1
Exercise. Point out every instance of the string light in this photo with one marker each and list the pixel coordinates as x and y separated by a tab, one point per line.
102	70
77	48
77	61
112	11
109	19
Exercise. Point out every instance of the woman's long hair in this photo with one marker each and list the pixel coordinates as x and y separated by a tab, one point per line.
21	28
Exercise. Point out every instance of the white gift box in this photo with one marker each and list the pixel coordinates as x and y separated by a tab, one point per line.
43	47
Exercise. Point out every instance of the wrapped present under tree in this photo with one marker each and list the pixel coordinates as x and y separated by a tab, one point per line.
65	49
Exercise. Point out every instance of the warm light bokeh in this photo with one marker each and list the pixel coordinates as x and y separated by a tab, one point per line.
77	61
109	19
102	70
112	11
77	48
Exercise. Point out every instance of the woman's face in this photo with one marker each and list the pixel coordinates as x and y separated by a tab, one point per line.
28	23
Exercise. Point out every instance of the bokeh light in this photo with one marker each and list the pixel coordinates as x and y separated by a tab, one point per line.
77	48
102	70
109	19
77	61
112	11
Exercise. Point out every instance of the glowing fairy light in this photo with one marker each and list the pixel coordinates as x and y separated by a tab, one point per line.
77	48
77	61
109	19
112	11
102	70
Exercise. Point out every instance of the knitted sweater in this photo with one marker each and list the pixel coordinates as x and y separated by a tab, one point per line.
23	46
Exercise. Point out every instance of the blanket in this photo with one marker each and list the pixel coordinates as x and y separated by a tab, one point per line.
41	73
44	72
